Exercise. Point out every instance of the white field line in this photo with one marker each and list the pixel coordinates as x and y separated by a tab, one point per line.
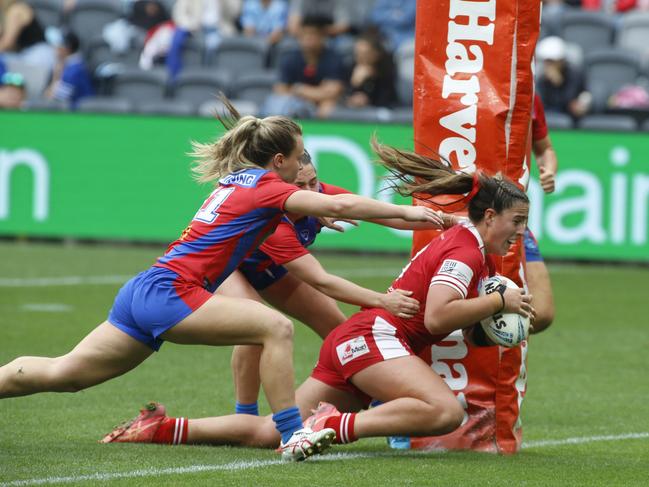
120	279
248	465
584	439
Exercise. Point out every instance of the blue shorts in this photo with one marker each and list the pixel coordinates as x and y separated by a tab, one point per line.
154	301
260	280
532	252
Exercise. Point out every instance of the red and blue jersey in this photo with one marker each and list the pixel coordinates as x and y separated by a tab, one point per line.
291	238
233	221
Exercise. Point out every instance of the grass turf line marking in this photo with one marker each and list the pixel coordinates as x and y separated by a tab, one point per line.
242	465
586	439
121	279
46	307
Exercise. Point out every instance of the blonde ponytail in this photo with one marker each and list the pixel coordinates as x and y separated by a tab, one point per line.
249	142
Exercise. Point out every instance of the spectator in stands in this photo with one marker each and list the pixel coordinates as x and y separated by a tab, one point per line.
12	90
22	37
311	79
395	19
265	18
372	81
609	6
146	14
337	12
70	80
214	19
3	66
561	87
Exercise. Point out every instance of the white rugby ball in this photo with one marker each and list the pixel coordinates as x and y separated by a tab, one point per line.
505	329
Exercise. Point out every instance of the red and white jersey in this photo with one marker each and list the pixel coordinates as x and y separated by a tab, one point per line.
456	259
233	221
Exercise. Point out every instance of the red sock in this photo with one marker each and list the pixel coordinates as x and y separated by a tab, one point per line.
172	431
343	425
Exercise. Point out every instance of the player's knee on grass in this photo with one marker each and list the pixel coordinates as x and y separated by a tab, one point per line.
444	417
451	416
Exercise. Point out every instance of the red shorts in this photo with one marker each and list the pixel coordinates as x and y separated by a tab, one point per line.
364	339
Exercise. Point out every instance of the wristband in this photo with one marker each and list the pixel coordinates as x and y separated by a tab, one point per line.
501	288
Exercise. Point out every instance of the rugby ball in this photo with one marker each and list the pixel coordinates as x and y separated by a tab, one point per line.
505	329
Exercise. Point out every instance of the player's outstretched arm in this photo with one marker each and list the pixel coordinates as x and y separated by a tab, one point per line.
308	269
354	206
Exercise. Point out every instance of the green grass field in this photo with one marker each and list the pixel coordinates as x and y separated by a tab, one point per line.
585	415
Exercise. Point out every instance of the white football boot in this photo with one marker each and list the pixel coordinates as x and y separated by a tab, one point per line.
305	443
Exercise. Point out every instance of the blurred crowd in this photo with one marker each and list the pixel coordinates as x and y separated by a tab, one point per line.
302	58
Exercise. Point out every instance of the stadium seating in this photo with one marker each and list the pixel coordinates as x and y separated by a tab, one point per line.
239	55
590	30
45	105
287	44
167	107
607	122
192	53
558	120
606	71
211	108
645	126
634	33
402	115
139	86
198	85
365	114
405	59
105	104
254	86
88	18
48	12
37	77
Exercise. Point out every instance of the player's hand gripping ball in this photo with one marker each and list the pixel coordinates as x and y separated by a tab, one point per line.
505	329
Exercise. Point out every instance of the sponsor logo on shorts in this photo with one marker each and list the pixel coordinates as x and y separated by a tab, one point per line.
351	349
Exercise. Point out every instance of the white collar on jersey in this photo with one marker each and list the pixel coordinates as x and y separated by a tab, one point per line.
471	228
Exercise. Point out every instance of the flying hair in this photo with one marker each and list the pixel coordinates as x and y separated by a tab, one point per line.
413	174
249	142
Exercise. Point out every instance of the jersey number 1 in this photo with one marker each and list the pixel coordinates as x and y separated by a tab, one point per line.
208	212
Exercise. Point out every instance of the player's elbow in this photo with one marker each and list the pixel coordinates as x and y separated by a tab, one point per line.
433	323
543	320
339	207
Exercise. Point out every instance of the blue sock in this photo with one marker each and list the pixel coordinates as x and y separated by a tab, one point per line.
287	422
251	408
